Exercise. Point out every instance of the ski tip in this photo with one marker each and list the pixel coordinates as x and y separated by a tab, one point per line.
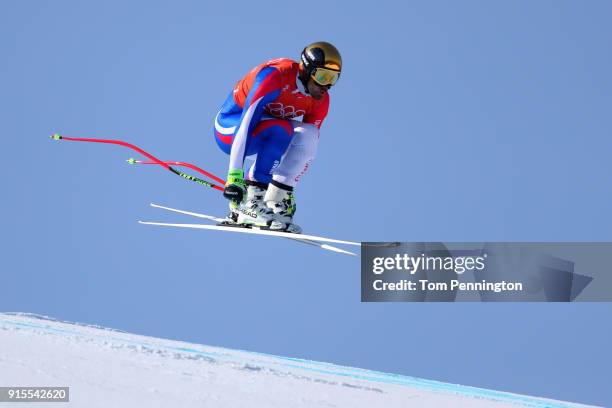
131	160
338	250
56	136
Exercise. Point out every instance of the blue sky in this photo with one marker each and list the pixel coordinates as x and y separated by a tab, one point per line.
453	121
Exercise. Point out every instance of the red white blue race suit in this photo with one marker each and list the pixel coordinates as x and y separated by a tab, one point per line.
262	116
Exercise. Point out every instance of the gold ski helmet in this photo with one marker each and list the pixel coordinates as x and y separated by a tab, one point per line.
322	62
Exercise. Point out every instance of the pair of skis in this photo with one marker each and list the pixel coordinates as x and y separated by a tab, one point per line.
305	239
320	242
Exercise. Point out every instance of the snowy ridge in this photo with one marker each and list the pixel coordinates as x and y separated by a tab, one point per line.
106	367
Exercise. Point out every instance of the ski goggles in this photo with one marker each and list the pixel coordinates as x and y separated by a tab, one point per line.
324	76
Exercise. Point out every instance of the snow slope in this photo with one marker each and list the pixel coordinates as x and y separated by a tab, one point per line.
110	368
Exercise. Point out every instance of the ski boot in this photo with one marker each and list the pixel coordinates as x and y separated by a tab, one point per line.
280	200
231	219
253	211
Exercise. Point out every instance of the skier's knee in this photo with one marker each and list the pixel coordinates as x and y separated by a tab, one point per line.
307	137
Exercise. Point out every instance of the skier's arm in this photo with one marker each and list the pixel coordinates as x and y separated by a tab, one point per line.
265	89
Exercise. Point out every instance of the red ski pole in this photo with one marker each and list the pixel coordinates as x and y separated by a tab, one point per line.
154	160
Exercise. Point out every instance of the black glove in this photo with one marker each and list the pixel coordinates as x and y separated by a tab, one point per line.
235	188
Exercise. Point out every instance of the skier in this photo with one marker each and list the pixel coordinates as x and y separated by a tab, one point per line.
262	116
